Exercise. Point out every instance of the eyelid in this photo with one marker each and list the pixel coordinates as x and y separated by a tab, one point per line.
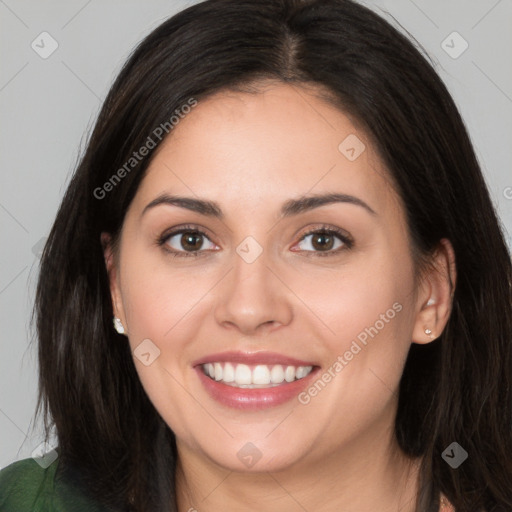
341	234
164	238
330	229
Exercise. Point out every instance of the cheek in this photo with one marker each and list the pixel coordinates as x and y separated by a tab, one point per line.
163	304
158	298
365	324
160	306
357	295
368	316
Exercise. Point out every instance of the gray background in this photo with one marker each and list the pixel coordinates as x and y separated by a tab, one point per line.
48	104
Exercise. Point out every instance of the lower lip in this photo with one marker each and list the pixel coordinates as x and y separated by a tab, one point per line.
254	399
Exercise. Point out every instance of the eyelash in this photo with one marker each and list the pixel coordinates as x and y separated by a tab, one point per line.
325	230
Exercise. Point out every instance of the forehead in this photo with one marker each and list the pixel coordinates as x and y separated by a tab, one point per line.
261	148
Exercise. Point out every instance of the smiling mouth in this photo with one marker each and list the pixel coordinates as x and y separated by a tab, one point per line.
254	376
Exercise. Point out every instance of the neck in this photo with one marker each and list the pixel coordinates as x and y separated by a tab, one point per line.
365	475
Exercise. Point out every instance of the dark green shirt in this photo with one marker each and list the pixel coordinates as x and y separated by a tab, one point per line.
26	487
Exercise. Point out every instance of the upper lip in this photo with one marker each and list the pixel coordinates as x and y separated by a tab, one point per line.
252	358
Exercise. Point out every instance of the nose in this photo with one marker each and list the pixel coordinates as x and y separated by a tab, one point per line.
253	298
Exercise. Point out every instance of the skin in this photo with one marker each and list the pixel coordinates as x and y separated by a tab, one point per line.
250	153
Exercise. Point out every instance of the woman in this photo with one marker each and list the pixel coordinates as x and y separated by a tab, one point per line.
276	281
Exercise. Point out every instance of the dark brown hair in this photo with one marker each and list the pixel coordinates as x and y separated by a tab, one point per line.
458	388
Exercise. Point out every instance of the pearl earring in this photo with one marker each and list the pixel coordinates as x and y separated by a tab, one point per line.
428	332
430	302
118	325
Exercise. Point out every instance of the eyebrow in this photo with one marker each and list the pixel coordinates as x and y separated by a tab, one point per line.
289	207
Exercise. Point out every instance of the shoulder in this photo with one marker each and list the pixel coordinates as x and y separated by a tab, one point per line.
26	486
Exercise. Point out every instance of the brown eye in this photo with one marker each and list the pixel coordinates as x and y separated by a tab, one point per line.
322	241
190	241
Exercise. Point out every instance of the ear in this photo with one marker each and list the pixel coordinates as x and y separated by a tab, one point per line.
113	276
435	296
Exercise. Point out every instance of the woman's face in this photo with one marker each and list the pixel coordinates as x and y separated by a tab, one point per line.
314	303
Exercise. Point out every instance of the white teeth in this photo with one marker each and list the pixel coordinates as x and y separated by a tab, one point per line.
289	374
243	374
301	372
277	374
229	373
218	371
261	375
